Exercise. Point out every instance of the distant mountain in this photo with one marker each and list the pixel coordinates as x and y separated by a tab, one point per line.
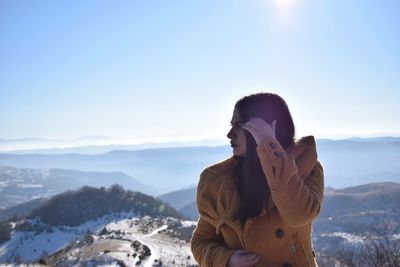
90	145
190	211
180	198
165	169
375	139
369	188
350	163
18	185
365	204
346	162
183	200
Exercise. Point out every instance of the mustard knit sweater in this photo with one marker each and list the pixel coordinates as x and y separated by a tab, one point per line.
281	234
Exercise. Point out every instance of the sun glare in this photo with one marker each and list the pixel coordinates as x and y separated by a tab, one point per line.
285	4
285	10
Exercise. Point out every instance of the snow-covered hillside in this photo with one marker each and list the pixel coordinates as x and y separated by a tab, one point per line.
119	239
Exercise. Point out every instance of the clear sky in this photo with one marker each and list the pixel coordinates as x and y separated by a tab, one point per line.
175	68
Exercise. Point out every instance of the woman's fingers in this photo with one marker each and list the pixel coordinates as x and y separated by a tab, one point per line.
260	129
243	258
249	259
258	123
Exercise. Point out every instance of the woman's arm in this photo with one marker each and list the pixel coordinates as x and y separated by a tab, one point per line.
208	248
297	193
297	198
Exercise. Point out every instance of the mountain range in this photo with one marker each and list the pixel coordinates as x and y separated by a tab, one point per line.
18	185
165	169
93	144
346	163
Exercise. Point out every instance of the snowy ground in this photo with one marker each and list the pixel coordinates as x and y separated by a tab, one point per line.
350	238
118	239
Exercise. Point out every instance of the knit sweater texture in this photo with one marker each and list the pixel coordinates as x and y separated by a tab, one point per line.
281	233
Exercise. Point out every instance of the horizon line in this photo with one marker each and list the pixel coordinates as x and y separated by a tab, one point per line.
28	144
194	137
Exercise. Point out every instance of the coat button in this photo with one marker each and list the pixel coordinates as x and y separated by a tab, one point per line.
279	154
279	232
273	145
287	265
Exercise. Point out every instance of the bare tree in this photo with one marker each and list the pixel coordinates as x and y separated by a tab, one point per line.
380	248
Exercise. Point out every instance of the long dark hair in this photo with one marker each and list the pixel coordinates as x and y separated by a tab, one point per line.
250	181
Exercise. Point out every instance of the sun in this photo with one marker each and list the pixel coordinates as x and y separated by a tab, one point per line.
285	11
285	4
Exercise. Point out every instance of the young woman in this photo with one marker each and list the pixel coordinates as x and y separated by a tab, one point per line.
257	207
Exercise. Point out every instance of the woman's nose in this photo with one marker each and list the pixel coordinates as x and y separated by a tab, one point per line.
230	133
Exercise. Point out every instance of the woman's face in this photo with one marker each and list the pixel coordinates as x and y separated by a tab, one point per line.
237	135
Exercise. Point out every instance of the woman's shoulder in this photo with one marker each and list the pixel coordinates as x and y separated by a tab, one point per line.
306	140
214	174
216	182
304	146
304	152
220	167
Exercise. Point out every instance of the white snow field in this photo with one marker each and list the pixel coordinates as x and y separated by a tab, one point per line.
120	239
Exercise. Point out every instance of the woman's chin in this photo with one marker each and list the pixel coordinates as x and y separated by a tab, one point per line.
237	153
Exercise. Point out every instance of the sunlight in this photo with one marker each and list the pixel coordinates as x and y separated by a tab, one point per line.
285	10
285	4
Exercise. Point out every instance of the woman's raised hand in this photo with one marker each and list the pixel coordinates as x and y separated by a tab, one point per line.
243	258
260	129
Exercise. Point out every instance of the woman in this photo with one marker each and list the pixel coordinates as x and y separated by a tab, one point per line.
257	207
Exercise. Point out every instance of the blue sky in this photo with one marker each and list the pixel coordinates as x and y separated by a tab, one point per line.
176	68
